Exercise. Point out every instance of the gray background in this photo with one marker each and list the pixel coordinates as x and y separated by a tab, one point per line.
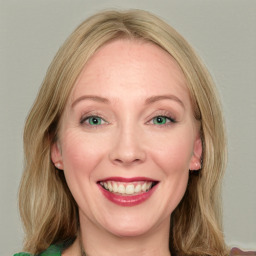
223	32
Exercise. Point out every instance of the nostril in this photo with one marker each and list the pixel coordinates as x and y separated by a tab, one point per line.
127	161
118	161
127	155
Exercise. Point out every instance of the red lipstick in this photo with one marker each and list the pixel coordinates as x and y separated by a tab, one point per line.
121	179
124	199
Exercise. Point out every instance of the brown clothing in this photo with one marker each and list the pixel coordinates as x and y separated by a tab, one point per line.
237	252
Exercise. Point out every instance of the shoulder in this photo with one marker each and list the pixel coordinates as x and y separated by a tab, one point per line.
53	250
237	252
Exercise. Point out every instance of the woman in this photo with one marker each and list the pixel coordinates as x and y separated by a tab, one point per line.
125	146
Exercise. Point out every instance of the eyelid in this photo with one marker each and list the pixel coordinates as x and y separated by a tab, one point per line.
85	117
165	114
170	119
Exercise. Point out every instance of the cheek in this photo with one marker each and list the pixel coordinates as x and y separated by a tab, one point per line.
173	154
174	158
80	154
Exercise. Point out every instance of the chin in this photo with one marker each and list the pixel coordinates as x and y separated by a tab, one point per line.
128	227
134	231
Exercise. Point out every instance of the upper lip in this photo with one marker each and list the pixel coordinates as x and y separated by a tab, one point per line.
122	179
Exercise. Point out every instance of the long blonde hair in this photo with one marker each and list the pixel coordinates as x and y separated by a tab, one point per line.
47	208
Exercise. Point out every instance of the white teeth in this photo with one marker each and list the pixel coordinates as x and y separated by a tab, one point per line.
144	187
121	189
149	185
137	188
115	187
110	186
127	188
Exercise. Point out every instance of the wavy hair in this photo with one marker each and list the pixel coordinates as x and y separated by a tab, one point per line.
47	208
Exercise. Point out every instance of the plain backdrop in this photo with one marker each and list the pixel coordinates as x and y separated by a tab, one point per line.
223	32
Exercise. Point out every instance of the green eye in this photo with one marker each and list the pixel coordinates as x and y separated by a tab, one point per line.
159	120
94	120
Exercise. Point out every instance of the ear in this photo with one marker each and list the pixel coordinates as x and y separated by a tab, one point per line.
56	156
195	162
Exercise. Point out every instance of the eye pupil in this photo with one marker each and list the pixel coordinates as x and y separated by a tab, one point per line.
160	120
95	121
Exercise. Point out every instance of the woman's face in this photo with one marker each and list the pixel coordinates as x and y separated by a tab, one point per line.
128	139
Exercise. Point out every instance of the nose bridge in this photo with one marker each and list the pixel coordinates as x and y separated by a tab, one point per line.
128	148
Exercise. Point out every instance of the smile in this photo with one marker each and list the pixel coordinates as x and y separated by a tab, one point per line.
127	192
127	188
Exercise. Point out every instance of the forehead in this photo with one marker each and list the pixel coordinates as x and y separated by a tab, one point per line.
131	65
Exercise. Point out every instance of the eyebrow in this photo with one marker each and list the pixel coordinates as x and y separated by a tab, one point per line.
148	101
154	99
90	97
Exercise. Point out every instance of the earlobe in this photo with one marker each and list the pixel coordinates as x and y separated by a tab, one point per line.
195	163
56	156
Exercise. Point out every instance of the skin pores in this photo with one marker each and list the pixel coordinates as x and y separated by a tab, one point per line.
128	122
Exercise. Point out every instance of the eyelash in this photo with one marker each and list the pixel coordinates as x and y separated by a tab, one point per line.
170	120
166	118
84	120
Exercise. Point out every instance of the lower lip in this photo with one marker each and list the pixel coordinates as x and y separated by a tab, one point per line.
127	200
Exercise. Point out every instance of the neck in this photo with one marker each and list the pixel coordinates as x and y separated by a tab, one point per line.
99	242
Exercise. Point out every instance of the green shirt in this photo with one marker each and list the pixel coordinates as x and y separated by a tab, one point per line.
53	250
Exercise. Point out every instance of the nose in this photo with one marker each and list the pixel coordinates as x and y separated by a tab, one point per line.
128	149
